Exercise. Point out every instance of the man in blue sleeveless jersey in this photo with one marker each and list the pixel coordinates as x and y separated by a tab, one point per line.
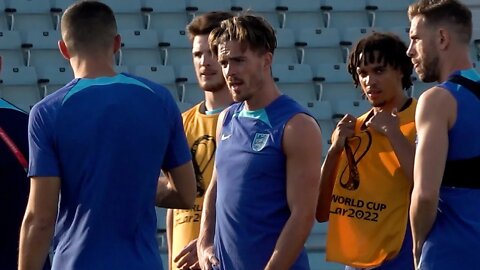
260	206
97	146
444	212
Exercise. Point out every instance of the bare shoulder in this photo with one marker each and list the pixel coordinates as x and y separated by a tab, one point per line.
301	121
436	103
301	131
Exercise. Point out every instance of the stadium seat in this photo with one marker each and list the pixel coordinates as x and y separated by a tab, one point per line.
160	74
350	36
184	106
355	107
161	226
52	78
19	86
403	32
285	52
127	14
476	18
176	48
322	112
334	82
188	85
163	14
295	80
23	16
41	47
475	44
345	13
10	49
387	14
266	9
297	15
317	45
140	47
197	7
3	18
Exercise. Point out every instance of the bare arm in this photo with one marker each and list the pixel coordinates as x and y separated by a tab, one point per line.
205	248
178	188
304	158
433	119
388	124
39	222
345	128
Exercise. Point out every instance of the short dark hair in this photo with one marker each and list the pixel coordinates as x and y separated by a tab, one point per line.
452	12
253	32
205	23
391	50
88	26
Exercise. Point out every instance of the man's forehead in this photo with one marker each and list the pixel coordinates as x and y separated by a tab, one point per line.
373	59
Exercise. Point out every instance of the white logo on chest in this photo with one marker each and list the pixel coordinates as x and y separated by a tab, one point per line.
260	141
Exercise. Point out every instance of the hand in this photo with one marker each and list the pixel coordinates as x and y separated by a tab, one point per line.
207	258
187	258
344	129
384	122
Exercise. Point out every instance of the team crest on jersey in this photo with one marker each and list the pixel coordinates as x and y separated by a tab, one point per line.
259	141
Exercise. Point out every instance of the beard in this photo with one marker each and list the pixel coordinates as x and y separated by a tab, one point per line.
430	70
213	87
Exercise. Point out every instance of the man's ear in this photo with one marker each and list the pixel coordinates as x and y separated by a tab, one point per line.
268	60
444	38
117	43
63	49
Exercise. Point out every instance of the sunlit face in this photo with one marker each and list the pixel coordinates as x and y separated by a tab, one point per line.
243	70
382	85
207	69
423	50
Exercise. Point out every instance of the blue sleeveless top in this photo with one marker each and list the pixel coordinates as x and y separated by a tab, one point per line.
251	206
454	241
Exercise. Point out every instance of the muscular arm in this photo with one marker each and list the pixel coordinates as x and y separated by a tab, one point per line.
205	248
39	222
177	189
433	119
303	159
344	129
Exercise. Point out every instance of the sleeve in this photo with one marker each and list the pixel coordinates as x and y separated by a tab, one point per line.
43	160
177	152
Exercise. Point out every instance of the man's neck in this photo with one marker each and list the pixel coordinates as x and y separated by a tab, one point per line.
91	67
217	100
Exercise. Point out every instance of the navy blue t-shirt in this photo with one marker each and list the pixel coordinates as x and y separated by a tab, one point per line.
107	139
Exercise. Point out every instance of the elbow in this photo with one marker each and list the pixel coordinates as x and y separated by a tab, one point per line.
32	222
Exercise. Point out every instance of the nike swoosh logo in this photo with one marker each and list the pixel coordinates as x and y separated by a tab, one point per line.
224	137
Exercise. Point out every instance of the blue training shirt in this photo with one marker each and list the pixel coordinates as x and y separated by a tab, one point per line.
251	206
454	241
107	139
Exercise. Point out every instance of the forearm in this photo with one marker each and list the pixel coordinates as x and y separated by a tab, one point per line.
327	182
422	217
404	151
35	240
291	241
207	225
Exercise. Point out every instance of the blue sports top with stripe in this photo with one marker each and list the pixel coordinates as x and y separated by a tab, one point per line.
454	241
107	139
251	206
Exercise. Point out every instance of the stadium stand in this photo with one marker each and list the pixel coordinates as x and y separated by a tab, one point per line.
314	39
